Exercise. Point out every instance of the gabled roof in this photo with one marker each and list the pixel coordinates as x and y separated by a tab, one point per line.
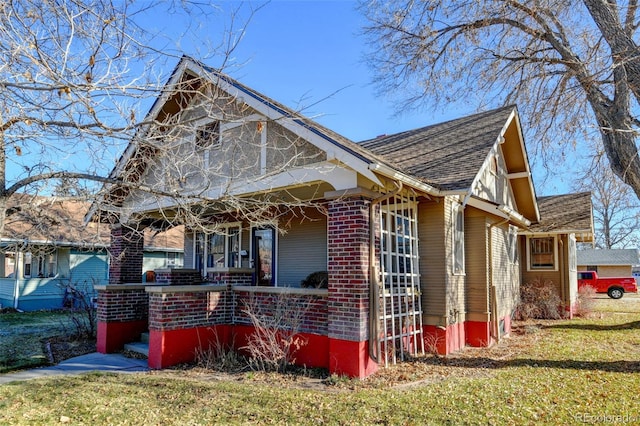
564	214
608	257
446	158
451	156
447	155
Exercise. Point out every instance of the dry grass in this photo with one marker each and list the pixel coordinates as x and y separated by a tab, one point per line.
546	373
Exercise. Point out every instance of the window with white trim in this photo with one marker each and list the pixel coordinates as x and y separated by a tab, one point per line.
458	240
39	265
218	249
542	253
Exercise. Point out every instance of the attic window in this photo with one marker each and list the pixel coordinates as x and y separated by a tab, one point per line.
208	135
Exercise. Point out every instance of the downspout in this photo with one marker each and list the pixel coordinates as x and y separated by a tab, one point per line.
17	271
374	283
563	293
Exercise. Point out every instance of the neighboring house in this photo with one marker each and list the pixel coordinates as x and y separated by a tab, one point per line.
46	248
609	263
549	246
418	231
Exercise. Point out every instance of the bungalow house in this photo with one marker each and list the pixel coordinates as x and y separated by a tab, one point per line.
46	248
549	246
609	262
418	231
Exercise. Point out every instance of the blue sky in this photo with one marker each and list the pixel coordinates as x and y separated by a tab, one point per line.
309	55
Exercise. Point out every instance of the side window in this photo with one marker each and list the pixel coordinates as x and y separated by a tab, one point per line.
542	253
458	241
512	244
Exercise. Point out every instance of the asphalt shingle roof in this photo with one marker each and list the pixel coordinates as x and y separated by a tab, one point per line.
568	212
608	257
448	155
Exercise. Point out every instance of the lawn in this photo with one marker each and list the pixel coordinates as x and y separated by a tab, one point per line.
22	334
548	372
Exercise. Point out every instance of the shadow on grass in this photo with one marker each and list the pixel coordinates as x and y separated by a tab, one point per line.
633	325
568	364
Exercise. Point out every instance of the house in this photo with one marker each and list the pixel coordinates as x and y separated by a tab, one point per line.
609	262
46	247
549	246
418	231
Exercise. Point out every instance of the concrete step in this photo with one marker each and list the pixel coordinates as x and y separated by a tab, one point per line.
144	337
139	347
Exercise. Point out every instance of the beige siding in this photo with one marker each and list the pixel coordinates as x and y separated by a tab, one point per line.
302	249
560	278
433	261
477	271
443	297
505	273
614	271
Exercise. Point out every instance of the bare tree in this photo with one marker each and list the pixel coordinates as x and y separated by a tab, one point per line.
616	212
572	67
76	78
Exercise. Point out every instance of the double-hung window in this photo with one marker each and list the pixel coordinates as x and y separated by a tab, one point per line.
458	241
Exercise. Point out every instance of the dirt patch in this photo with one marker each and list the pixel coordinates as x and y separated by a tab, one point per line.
59	348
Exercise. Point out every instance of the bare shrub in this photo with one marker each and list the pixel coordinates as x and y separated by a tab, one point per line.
78	303
585	303
539	299
219	357
432	342
277	323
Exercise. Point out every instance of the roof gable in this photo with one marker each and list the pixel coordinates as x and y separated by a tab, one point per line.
447	155
453	155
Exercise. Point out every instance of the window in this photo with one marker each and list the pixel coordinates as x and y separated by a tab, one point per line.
208	135
263	250
512	244
542	253
458	241
220	249
39	265
27	265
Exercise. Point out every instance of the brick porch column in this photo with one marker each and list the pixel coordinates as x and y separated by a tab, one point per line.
348	298
126	252
123	306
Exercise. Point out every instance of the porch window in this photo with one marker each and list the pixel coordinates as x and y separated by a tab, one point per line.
458	241
219	249
26	270
39	265
542	253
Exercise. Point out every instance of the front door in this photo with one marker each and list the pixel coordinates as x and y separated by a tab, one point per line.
264	255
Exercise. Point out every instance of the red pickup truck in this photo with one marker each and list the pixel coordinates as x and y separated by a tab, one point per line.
614	287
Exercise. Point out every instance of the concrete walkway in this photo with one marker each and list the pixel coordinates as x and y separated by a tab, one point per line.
113	363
